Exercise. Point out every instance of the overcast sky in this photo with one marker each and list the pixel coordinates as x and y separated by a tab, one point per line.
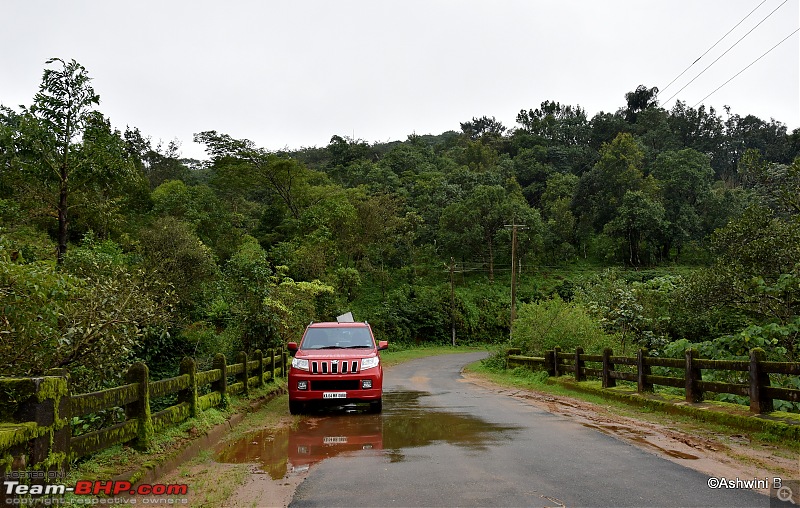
294	73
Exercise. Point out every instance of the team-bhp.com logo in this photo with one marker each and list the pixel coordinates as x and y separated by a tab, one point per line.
15	491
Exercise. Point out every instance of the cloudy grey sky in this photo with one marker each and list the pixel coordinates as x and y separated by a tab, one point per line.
294	73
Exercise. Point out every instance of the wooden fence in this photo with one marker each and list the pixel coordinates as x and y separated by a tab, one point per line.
35	413
639	371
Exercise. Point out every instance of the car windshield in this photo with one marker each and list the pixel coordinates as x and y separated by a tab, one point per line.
337	338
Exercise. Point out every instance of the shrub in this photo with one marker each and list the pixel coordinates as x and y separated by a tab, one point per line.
541	326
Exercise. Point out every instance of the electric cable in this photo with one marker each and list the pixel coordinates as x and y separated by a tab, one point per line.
751	63
726	51
712	47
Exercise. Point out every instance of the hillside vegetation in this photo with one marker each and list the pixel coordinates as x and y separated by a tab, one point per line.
642	227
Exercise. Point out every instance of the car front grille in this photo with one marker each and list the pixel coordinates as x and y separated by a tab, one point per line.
334	366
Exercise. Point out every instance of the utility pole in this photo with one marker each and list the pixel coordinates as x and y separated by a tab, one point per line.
452	300
514	228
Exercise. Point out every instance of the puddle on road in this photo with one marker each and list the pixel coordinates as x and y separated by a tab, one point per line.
405	423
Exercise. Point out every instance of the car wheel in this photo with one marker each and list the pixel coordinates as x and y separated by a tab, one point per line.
296	408
376	406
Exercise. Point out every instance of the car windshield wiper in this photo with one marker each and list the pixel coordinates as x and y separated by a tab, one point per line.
354	347
329	347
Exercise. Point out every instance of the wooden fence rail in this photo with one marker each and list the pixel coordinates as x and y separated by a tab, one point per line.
639	371
35	413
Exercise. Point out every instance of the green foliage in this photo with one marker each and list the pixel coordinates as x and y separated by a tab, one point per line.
175	255
242	250
294	304
541	326
89	322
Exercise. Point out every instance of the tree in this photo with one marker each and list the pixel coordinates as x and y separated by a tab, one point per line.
283	176
470	226
639	219
685	180
556	123
639	100
60	113
601	190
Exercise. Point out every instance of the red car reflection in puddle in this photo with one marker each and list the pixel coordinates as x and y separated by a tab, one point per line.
405	423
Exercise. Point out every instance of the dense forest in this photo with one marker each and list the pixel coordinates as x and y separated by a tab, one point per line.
642	227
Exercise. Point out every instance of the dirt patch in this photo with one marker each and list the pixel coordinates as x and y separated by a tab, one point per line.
729	456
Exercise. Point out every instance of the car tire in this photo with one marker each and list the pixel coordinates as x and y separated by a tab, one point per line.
296	408
376	406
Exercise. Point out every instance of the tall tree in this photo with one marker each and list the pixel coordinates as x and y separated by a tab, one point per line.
60	112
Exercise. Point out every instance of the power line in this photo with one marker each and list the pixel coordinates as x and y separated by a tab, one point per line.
726	51
751	63
714	46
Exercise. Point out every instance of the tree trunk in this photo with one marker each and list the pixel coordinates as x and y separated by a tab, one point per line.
62	216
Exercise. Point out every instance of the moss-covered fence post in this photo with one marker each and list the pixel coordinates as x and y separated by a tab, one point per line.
271	353
260	369
580	365
62	431
608	368
693	375
45	403
760	402
221	385
642	371
243	376
284	362
139	409
189	368
556	350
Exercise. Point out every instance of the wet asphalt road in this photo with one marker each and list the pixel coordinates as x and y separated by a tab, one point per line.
447	442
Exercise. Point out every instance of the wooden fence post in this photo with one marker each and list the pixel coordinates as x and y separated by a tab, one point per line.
221	386
760	402
284	363
46	402
140	409
693	375
189	367
608	368
642	370
244	375
556	350
272	363
260	357
549	365
580	375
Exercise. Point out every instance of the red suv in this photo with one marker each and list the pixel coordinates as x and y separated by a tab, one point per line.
336	364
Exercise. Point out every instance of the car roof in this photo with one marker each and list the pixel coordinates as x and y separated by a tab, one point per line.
333	324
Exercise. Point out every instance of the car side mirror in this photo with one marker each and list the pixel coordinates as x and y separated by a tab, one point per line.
382	345
292	346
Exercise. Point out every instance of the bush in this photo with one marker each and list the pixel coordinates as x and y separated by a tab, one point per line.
544	325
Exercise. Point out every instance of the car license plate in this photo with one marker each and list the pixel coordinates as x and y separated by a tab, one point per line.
334	440
334	395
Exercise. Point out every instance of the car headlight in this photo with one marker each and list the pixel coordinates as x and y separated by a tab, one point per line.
369	363
299	363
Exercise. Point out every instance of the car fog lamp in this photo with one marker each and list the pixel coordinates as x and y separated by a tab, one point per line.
366	384
302	385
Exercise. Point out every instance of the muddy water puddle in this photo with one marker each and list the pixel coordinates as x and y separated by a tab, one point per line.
405	423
